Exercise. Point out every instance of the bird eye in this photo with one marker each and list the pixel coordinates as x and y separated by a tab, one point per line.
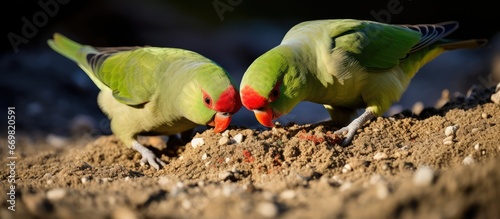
207	100
275	92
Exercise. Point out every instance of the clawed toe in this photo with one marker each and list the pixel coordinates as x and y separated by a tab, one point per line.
148	157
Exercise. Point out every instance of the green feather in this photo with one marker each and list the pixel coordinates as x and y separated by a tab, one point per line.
348	64
149	90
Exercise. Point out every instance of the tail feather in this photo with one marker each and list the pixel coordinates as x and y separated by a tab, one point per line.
464	44
76	52
65	46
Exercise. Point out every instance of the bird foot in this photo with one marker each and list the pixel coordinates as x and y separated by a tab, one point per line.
348	133
350	130
148	156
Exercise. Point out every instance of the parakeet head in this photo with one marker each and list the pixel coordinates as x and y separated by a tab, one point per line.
272	85
211	98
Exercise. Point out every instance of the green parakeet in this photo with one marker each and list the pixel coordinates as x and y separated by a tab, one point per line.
345	65
154	91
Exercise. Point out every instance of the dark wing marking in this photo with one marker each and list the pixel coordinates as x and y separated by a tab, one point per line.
431	33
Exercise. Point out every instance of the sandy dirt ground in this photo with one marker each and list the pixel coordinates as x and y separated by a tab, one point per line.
441	163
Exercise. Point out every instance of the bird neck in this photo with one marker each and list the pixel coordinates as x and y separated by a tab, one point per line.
297	72
304	72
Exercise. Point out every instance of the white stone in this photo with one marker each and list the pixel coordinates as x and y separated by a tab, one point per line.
85	179
56	194
224	141
56	141
380	156
346	168
288	194
450	130
204	156
423	176
469	160
267	209
238	138
197	142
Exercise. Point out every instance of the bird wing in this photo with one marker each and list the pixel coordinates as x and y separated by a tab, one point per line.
127	71
378	46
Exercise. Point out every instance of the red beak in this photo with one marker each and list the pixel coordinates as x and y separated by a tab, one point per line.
265	117
221	121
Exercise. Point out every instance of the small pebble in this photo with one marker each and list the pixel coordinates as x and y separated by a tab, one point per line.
476	147
448	140
208	163
106	179
380	156
238	138
204	156
484	115
417	108
163	181
56	141
225	133
423	176
450	130
288	194
382	191
56	194
267	209
496	96
468	160
196	142
346	168
385	167
228	159
224	141
85	179
445	98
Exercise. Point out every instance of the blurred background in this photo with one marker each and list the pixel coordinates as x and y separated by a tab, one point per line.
53	96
